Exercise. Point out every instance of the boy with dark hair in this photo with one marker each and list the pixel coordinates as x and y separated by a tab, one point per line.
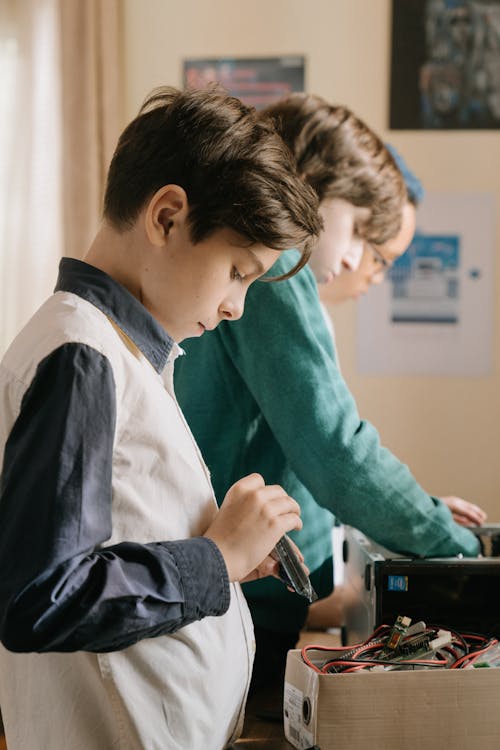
284	410
117	567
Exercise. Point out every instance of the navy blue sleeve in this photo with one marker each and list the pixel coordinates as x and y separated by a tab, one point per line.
60	590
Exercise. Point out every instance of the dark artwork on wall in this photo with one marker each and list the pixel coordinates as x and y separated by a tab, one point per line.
445	64
257	81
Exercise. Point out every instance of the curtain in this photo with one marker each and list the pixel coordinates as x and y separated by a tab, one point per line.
92	98
60	114
30	158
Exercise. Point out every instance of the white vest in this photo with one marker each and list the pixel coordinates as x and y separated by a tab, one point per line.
177	692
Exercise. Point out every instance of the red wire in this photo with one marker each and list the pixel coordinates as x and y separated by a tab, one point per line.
372	643
312	647
471	656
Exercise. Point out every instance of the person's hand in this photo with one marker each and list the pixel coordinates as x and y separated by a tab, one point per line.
252	518
463	512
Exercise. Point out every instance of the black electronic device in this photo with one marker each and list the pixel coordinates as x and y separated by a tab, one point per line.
453	592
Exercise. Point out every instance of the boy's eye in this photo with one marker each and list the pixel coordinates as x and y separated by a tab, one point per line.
236	275
379	258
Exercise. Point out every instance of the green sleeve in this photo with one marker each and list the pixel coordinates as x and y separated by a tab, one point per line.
283	352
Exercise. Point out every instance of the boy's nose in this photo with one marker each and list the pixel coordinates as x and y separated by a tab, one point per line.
232	309
352	257
377	277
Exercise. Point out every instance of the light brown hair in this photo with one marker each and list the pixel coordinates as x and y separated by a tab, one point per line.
341	157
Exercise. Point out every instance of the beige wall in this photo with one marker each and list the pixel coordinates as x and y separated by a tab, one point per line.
446	429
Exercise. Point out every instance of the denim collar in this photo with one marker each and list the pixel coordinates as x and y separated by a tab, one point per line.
120	305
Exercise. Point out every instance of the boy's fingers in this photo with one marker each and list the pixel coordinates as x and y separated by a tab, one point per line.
289	521
465	520
268	567
464	512
279	503
250	482
459	518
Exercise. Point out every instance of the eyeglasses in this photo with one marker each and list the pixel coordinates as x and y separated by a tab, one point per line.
386	264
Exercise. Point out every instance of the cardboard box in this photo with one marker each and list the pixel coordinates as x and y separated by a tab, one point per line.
395	710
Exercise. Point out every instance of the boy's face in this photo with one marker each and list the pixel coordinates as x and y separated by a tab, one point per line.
371	270
340	244
190	288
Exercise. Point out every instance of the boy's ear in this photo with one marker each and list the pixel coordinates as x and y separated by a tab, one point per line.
167	207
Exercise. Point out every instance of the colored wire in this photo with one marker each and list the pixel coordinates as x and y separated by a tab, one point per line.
464	650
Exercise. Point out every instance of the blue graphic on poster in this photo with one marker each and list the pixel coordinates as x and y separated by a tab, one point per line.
425	281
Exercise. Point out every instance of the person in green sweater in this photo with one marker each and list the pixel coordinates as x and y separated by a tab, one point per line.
266	395
350	285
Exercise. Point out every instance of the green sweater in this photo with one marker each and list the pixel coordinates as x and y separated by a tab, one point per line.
265	394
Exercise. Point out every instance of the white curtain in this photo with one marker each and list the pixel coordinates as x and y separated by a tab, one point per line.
60	115
30	155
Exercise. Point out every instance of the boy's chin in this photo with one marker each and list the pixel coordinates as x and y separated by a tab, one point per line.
325	278
195	333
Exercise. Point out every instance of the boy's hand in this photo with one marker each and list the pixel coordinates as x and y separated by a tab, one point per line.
463	512
252	518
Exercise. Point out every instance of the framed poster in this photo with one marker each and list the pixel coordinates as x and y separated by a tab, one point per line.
257	81
445	64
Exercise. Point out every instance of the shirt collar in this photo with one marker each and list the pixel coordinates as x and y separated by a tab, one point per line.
120	305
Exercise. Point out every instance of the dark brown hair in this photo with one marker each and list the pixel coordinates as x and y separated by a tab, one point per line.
341	157
235	169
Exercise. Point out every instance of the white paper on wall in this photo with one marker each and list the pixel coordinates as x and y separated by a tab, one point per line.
433	313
